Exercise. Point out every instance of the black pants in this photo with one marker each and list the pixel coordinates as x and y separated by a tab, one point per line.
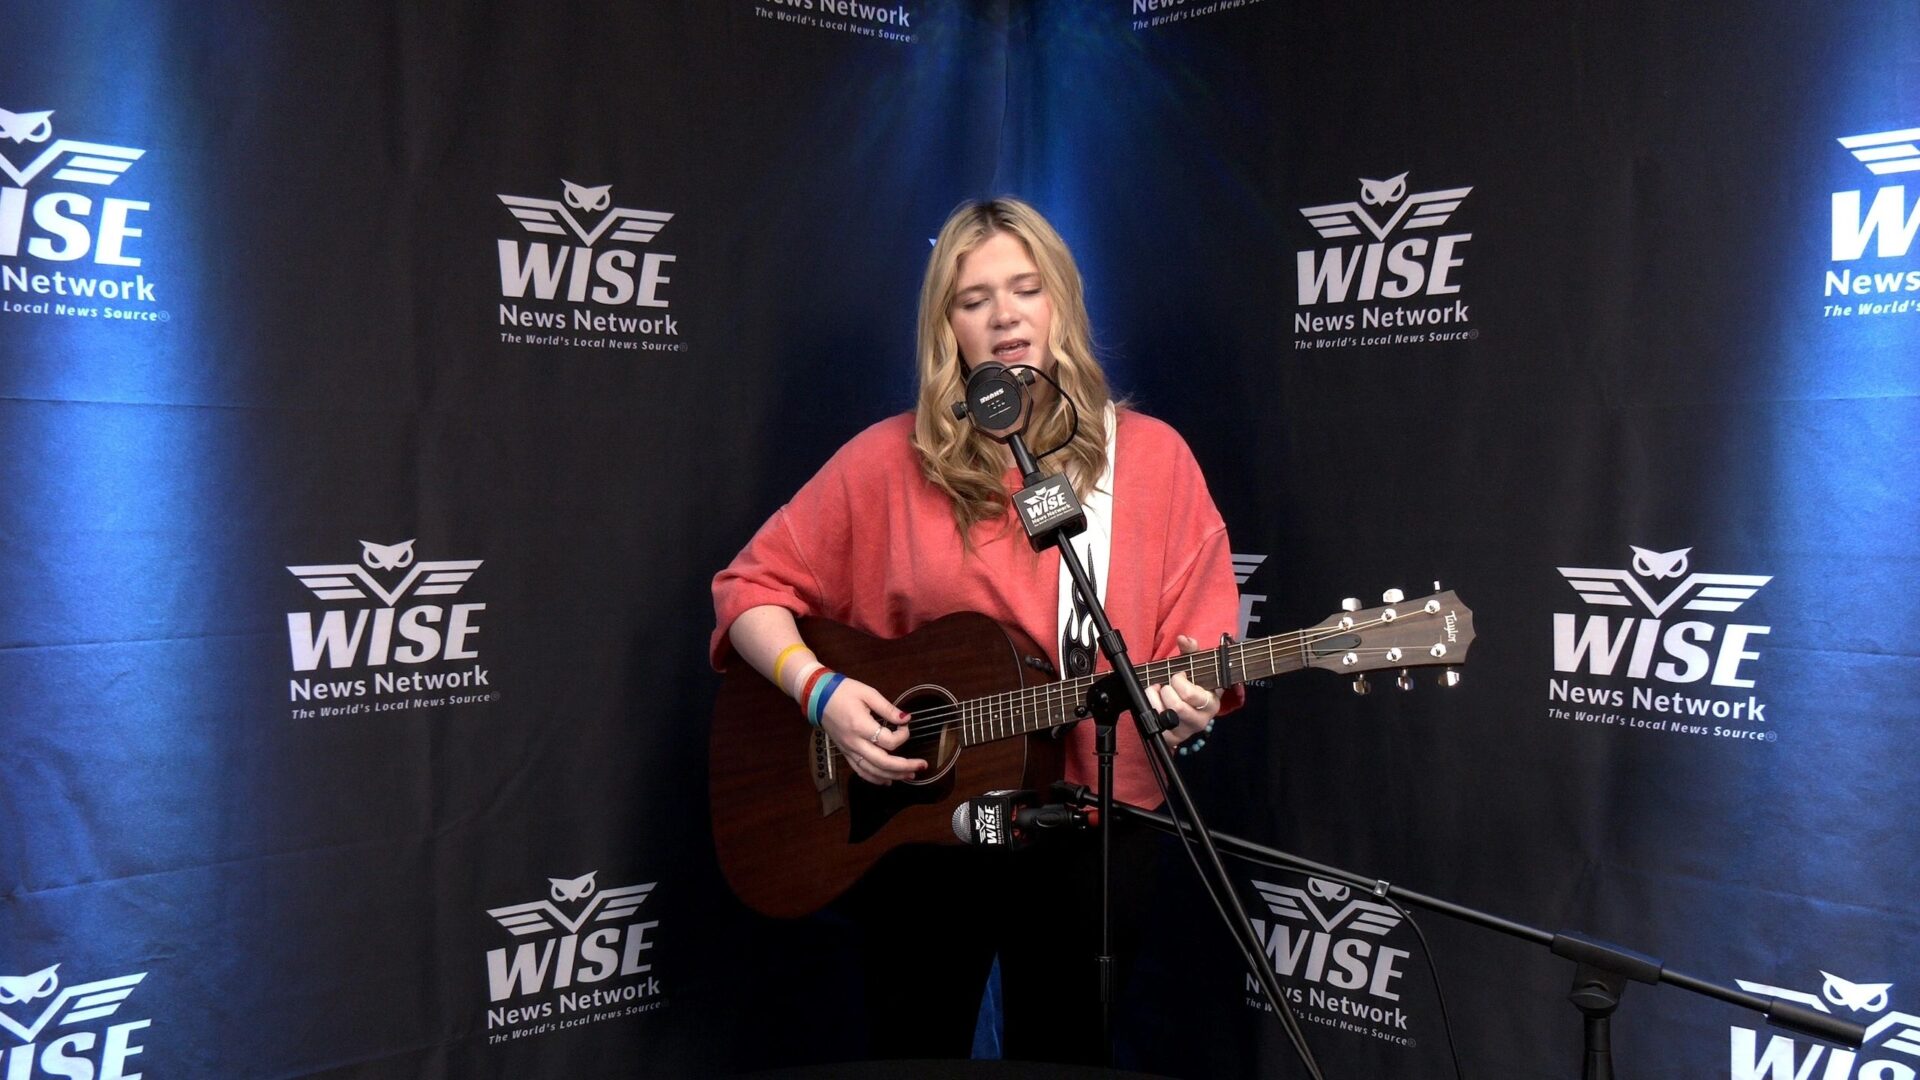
932	919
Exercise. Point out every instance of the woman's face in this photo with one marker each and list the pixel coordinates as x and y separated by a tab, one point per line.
1000	309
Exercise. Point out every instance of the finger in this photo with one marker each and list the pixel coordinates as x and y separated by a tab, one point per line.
1191	720
873	753
888	736
1187	644
865	771
885	764
1191	693
884	729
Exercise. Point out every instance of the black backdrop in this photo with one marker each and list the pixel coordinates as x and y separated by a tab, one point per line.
301	397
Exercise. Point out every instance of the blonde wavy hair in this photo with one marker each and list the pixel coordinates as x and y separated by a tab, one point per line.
956	458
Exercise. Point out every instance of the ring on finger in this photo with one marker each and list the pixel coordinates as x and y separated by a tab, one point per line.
875	737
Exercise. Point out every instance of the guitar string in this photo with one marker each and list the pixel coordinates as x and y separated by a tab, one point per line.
1024	699
989	723
1206	661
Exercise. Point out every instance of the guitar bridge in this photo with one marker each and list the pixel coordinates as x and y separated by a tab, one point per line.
825	783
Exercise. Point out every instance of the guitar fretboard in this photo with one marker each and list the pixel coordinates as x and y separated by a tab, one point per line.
1037	708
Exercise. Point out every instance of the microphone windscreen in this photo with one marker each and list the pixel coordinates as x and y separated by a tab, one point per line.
963	822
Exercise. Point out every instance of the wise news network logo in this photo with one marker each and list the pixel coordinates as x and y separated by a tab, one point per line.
97	1049
884	22
1674	665
1331	948
67	249
386	651
1399	282
581	958
605	292
1891	1050
1874	271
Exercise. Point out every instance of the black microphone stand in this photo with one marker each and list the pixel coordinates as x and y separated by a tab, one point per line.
1049	510
1601	969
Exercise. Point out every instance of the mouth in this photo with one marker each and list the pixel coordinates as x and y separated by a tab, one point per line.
1014	349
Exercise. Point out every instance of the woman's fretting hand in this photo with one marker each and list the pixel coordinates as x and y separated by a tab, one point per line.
1193	704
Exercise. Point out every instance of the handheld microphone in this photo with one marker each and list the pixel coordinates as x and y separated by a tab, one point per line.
1011	819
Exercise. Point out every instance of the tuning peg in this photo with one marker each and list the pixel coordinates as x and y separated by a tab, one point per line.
1361	686
1450	676
1392	596
1404	680
1351	603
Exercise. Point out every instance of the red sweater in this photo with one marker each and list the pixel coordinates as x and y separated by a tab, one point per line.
870	543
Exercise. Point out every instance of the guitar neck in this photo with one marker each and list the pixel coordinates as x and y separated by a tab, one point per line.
1433	630
1038	708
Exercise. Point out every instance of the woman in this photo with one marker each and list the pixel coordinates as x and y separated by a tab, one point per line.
908	522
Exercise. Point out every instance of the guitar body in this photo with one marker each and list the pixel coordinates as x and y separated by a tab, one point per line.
794	827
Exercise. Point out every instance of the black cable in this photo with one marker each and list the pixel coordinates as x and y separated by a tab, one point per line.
1062	395
1288	1022
1433	970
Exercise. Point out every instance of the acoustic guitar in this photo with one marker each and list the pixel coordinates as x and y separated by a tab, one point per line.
794	827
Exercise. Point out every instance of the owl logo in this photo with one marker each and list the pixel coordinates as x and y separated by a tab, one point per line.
1328	890
1383	192
1300	905
1895	1030
71	159
17	989
28	127
554	217
387	556
1659	565
603	905
567	890
1421	210
70	1005
587	198
1609	587
1860	997
351	581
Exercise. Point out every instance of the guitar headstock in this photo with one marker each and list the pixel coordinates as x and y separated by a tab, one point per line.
1399	634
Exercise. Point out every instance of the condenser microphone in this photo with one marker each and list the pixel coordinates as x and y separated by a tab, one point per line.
997	400
999	406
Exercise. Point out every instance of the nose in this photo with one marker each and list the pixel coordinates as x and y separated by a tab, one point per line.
1004	313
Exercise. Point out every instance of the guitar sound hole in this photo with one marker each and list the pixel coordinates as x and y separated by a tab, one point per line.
933	735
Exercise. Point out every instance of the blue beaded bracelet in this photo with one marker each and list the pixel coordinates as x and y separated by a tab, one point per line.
1194	744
